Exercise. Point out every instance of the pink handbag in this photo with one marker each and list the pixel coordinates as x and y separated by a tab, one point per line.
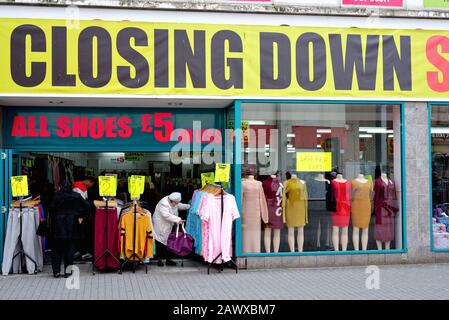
180	243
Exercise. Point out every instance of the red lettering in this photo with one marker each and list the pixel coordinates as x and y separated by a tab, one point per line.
146	123
123	124
111	126
19	127
32	127
80	127
96	128
217	136
433	55
43	127
163	120
64	128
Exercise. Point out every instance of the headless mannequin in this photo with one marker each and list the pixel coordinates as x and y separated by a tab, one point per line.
276	233
356	231
320	177
385	179
340	233
300	230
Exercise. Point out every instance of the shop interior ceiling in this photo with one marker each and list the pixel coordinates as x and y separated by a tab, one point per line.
143	102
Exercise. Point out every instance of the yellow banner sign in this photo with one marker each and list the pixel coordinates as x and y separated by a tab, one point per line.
136	186
43	56
314	161
222	172
207	177
107	186
19	186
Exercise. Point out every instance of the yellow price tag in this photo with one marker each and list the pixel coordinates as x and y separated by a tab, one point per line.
108	186
207	177
19	186
314	161
222	172
136	186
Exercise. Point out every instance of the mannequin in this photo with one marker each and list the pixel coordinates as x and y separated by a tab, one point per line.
254	211
361	210
295	210
320	177
386	207
273	192
340	218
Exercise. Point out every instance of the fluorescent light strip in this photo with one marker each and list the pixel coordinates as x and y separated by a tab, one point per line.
256	123
324	131
291	135
365	135
439	130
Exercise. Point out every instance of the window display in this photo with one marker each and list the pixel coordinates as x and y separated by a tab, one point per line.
330	173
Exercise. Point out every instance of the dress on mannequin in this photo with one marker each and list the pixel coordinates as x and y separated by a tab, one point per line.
361	203
272	187
294	203
342	192
386	207
254	210
319	218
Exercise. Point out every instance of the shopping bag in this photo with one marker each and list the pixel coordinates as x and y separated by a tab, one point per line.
180	243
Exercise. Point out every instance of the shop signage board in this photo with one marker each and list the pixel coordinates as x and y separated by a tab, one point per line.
222	172
133	156
19	185
107	186
314	161
378	3
437	4
221	60
207	177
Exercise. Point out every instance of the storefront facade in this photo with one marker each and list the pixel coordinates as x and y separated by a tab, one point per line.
297	97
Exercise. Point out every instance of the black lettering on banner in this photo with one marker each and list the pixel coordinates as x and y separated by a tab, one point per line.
218	60
366	71
161	58
104	57
133	57
393	62
267	80
18	55
319	61
195	59
59	59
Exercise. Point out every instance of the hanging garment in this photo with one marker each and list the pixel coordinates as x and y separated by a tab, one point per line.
103	242
31	243
317	229
361	203
386	207
193	223
294	203
56	177
342	215
254	211
273	193
217	228
50	171
144	245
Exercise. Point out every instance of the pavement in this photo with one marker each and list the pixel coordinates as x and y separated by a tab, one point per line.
420	282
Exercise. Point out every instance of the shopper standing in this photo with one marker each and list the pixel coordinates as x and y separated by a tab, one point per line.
165	216
67	211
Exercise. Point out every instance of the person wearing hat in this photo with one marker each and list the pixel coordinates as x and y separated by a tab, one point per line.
165	216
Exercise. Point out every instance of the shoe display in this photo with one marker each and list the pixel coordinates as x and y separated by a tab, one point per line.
86	256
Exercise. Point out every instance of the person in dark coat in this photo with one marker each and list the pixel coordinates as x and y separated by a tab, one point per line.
67	211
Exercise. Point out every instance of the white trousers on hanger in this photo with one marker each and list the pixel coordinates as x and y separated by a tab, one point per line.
32	244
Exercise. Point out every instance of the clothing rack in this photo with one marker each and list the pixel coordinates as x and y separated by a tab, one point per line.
106	252
222	211
22	251
134	255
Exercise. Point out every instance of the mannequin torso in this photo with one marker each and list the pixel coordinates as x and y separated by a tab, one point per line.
340	178
294	176
384	178
361	179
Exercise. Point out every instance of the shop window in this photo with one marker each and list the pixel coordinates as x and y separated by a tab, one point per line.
321	177
440	176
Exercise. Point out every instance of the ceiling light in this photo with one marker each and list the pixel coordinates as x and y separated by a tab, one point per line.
256	123
323	130
390	136
289	146
318	145
439	130
318	135
375	130
291	135
365	135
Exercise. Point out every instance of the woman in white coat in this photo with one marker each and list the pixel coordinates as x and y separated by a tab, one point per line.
165	216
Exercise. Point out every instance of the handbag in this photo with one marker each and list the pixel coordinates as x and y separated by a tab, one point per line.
180	243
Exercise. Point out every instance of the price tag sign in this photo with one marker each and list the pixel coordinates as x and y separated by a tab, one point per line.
19	186
136	186
222	172
108	186
314	161
207	177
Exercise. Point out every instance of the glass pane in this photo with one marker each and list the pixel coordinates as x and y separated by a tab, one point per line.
320	177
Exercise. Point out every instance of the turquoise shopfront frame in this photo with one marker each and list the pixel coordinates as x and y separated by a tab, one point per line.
429	110
238	176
